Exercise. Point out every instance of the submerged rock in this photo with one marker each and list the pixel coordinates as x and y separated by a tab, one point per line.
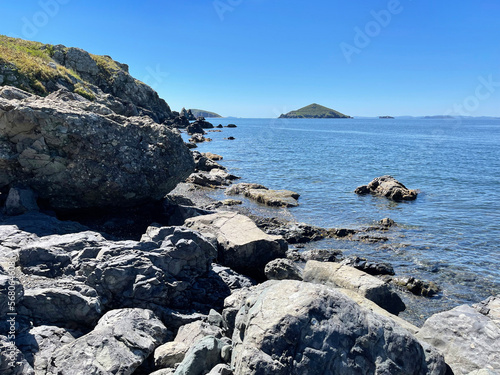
389	187
75	158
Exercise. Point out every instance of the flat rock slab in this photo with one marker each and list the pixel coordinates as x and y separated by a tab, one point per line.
347	277
242	246
389	187
261	194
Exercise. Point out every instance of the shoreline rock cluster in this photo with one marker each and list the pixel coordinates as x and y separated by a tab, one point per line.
192	285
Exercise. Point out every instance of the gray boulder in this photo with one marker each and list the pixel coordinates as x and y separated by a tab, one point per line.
293	327
242	246
282	269
119	344
350	278
231	278
201	357
467	336
389	187
74	158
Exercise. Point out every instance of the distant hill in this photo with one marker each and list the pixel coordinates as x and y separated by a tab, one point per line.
202	113
314	111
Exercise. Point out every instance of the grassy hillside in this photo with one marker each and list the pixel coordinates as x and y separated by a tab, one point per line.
30	66
314	111
202	113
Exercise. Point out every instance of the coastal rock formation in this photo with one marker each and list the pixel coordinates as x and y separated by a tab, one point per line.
188	115
75	158
98	78
295	327
350	278
389	187
241	245
261	194
119	344
202	113
467	336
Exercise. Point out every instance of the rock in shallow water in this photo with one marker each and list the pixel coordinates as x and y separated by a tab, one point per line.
75	158
389	187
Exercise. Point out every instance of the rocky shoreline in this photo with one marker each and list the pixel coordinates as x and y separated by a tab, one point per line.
151	276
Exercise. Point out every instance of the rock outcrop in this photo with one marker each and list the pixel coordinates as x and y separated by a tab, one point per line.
467	336
389	187
261	194
241	245
290	327
74	156
350	278
119	344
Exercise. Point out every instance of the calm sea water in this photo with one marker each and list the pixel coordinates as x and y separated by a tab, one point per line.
450	234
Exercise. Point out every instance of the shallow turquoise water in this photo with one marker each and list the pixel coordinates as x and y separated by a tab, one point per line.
450	234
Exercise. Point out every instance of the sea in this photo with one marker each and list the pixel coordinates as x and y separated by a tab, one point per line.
449	235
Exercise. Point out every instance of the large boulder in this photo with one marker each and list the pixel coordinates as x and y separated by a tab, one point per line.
242	246
469	337
120	343
351	278
389	187
292	327
76	158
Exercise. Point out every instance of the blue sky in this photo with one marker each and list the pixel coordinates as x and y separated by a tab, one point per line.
260	58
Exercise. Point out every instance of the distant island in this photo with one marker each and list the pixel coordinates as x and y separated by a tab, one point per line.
314	111
201	113
386	117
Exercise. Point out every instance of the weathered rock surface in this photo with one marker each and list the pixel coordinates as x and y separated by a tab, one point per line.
389	187
282	269
61	302
20	201
208	180
75	158
203	163
203	356
293	232
292	327
119	344
12	361
231	278
39	344
468	337
241	245
347	277
261	194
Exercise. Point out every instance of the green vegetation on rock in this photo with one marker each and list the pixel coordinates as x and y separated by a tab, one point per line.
201	113
314	111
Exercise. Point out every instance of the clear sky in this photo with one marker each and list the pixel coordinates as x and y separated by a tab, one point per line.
261	58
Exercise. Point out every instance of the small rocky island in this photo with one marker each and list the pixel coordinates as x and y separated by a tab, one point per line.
314	111
202	113
151	277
